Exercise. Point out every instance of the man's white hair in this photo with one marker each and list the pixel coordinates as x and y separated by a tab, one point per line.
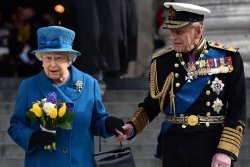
197	24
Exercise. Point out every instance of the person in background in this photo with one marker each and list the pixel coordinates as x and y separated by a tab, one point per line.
75	147
6	48
199	85
29	21
107	34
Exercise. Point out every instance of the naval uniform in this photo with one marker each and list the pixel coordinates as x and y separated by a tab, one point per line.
205	108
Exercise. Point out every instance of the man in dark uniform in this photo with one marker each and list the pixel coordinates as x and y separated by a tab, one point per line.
200	87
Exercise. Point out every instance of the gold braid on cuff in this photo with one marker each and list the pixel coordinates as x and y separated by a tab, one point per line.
231	140
140	120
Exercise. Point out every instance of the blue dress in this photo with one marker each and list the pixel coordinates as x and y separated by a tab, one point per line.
74	147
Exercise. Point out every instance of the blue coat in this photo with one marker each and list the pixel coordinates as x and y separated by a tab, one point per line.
74	147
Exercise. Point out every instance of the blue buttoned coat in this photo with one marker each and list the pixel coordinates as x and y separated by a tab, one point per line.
74	147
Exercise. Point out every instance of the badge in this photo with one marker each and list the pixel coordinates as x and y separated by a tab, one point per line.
224	69
79	85
217	105
217	86
192	73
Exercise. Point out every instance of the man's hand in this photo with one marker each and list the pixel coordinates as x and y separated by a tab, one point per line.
221	160
128	131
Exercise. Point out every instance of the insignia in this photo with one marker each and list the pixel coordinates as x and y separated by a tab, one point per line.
192	73
217	105
162	52
79	85
223	46
214	71
171	13
217	86
224	69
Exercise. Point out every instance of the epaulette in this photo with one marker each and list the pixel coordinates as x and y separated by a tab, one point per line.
223	46
162	52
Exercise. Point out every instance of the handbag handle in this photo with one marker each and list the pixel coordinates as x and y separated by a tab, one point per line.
100	144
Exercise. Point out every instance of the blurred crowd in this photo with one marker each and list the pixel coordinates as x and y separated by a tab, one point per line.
106	36
18	38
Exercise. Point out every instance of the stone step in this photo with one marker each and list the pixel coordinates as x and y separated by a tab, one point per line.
110	95
6	108
13	162
5	121
8	95
149	162
140	162
139	151
125	95
242	163
114	108
148	135
116	102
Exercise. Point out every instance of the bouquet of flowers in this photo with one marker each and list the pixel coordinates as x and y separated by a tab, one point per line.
51	114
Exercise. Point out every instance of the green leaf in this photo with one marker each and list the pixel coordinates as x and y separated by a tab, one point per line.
65	125
68	117
31	115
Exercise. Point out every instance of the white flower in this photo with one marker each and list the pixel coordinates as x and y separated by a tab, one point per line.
47	107
44	100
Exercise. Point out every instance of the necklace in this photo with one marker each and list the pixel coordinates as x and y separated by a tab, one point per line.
191	67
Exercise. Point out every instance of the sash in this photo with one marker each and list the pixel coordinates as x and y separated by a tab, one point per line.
184	99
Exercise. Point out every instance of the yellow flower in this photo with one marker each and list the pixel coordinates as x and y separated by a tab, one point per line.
53	113
62	110
48	107
37	110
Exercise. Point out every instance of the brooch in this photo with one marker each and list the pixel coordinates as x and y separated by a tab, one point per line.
217	86
217	105
79	85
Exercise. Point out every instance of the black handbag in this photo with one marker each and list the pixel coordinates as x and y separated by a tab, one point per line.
121	157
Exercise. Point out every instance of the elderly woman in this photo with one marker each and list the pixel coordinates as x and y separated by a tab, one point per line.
74	147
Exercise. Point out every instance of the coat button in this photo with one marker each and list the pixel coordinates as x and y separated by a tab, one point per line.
176	75
208	114
208	92
65	150
177	84
176	65
208	103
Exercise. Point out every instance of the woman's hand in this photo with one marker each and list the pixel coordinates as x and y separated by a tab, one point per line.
112	124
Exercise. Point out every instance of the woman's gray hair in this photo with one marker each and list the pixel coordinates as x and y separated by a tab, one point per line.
71	56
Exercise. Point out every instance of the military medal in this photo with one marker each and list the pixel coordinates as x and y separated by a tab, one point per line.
217	105
79	85
191	72
217	86
224	69
195	68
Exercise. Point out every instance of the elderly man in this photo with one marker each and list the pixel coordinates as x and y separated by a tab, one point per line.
200	87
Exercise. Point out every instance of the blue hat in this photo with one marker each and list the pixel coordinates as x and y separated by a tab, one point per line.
55	39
